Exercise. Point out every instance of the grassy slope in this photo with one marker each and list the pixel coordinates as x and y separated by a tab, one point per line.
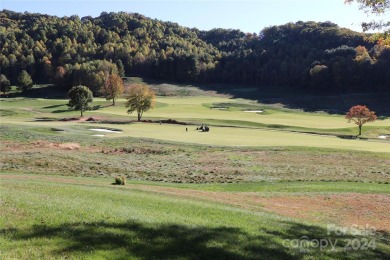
76	217
37	150
47	219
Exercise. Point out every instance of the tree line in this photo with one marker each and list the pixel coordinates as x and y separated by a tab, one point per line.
71	51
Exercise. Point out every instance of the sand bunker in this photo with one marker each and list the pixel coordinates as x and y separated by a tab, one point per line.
98	135
106	130
383	136
253	111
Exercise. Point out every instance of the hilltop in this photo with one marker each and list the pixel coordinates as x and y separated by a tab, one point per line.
303	55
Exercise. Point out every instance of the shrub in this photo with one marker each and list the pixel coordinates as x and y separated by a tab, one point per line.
120	180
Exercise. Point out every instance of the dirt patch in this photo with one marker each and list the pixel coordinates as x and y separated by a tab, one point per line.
350	209
69	146
17	147
68	119
171	121
66	146
81	119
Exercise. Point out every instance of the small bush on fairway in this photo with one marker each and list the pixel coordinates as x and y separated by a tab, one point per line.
120	180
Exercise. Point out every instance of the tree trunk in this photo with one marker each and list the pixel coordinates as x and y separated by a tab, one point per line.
360	129
113	101
81	110
139	117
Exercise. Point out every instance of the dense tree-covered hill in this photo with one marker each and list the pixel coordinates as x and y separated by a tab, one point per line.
70	50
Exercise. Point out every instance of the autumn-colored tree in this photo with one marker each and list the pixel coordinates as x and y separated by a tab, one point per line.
4	84
79	98
140	98
59	76
113	88
360	115
376	7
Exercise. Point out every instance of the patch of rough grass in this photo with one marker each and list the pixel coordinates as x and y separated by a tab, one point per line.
5	112
151	160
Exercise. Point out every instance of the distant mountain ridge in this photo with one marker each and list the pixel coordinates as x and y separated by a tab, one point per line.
303	55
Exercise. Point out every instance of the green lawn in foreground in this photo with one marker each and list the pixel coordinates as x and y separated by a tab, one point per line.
45	219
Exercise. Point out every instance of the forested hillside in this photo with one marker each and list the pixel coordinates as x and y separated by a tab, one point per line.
73	50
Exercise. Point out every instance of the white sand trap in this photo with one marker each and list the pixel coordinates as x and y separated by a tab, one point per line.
105	130
98	135
254	111
382	137
219	108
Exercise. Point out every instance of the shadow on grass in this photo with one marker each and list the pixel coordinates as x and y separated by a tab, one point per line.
133	239
54	106
347	137
335	243
47	91
94	108
307	100
62	111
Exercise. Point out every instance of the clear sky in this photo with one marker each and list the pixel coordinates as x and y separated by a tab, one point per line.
246	15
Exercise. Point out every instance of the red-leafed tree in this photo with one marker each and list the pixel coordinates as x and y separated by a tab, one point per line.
360	115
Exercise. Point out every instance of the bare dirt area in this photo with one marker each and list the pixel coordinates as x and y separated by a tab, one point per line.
66	146
81	119
40	144
350	209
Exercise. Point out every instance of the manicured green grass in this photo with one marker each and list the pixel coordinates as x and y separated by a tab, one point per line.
247	137
233	136
227	136
46	219
198	110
